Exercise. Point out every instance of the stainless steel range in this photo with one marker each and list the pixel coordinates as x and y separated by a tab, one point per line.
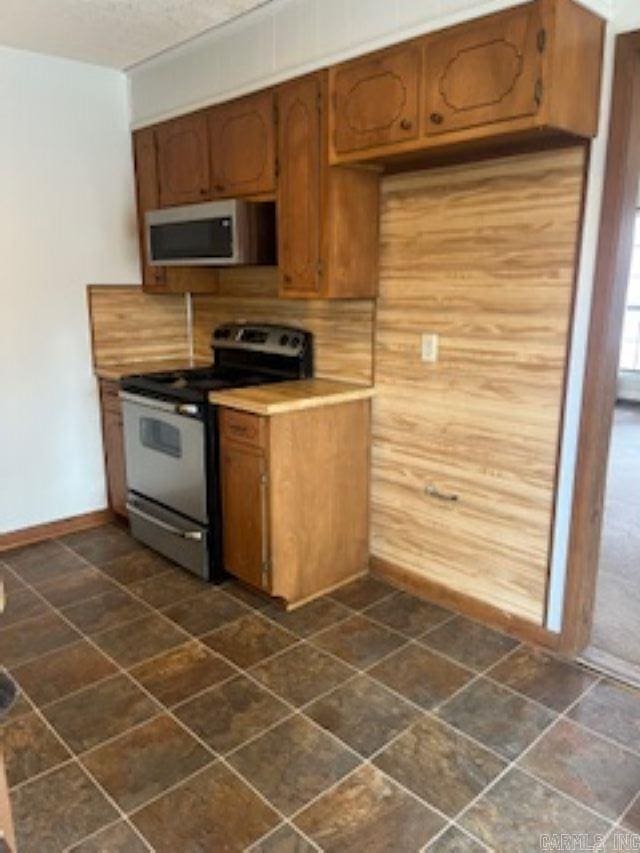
171	439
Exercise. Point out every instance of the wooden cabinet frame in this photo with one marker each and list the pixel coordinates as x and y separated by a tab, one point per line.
599	393
307	478
570	42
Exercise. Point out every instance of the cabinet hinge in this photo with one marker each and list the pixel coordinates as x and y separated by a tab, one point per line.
541	40
538	92
265	573
264	479
276	167
275	113
320	268
319	101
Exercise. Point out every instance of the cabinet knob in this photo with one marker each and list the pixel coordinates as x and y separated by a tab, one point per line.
219	188
436	118
203	191
406	124
286	278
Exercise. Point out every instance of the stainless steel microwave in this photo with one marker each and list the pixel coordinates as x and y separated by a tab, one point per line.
218	233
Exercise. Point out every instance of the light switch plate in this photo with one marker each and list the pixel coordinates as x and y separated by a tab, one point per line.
429	347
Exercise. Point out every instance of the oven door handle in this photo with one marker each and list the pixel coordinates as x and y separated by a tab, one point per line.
195	535
191	410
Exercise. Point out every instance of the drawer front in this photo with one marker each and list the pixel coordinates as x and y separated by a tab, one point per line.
243	427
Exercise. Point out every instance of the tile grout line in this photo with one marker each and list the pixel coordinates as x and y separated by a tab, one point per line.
295	710
514	765
81	767
357	671
93	835
368	761
215	756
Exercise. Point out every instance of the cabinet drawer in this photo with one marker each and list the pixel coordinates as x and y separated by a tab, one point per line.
243	427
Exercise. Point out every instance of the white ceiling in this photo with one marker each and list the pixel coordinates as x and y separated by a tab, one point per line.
117	33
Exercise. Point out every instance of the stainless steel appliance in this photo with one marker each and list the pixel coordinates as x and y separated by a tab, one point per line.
171	438
217	233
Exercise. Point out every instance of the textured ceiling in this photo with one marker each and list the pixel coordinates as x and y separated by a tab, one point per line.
117	33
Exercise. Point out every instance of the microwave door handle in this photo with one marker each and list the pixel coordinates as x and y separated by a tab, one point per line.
183	534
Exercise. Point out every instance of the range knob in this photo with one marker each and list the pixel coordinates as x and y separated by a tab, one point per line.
284	340
295	341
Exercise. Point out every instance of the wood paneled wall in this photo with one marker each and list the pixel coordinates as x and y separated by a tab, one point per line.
128	325
343	329
484	256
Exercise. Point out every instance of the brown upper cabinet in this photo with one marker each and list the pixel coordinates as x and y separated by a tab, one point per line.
300	157
183	160
376	99
327	216
484	72
529	69
148	198
318	143
242	146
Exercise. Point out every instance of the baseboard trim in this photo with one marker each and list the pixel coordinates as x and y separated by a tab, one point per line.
416	583
40	532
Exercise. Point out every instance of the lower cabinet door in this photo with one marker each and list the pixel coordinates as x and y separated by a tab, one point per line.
245	513
114	457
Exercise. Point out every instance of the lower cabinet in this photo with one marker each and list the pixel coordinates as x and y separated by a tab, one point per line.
113	438
295	498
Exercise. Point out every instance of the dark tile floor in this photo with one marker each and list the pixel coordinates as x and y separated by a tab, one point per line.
159	713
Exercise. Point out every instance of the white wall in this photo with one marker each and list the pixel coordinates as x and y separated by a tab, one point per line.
66	219
286	38
627	15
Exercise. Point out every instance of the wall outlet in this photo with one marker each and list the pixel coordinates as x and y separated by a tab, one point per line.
429	347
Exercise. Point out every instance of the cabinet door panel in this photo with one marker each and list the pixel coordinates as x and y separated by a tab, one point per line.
183	160
242	146
485	72
147	189
299	187
375	100
244	512
113	437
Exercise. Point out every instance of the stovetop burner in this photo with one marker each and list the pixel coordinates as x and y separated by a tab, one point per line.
194	384
244	354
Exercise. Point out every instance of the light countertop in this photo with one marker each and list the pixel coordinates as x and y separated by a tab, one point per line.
279	397
119	369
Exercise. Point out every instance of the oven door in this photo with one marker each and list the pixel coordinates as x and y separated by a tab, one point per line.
165	454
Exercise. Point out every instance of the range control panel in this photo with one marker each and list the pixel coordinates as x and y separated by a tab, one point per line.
265	338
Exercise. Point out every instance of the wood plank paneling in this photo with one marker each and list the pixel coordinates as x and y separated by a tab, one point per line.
343	330
484	256
128	325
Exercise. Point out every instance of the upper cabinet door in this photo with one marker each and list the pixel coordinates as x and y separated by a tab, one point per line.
183	160
242	146
484	72
148	197
376	100
299	186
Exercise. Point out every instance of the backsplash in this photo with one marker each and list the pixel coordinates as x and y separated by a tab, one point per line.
129	325
343	330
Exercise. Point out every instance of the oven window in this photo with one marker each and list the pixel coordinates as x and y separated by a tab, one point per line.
161	436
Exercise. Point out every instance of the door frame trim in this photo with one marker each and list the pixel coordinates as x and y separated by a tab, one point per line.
615	242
